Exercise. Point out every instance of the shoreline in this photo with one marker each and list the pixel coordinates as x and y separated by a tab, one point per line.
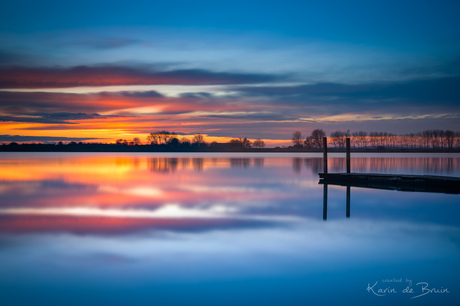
92	148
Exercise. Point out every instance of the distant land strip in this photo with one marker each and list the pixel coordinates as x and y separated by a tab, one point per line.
217	147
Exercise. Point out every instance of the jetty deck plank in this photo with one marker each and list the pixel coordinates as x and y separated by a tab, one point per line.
400	182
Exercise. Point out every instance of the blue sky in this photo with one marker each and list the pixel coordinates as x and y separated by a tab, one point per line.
265	68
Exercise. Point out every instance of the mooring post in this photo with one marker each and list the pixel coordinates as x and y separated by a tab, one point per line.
324	154
348	155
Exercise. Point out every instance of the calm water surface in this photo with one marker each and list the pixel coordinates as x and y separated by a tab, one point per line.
222	229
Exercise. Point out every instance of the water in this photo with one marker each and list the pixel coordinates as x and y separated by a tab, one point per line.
222	229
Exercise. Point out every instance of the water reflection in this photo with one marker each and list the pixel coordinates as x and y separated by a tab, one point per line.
421	165
174	229
348	201
348	196
240	162
325	202
207	191
297	164
406	164
165	165
198	164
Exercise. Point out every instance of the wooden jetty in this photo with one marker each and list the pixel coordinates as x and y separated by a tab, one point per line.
400	182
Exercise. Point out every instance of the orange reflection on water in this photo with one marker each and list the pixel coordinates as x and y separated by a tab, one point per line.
97	192
110	190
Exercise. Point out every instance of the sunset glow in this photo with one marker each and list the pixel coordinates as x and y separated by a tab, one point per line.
103	79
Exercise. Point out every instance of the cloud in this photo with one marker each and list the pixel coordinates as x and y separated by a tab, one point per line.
41	138
253	116
135	94
28	103
22	77
54	118
269	112
196	95
425	89
75	116
32	120
435	94
430	91
37	104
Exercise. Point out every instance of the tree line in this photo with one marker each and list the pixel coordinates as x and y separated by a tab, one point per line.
166	140
171	139
428	139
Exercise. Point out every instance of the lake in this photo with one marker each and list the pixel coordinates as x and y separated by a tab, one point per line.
223	229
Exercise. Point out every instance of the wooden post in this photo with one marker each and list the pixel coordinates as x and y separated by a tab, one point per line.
325	202
348	155
324	154
348	201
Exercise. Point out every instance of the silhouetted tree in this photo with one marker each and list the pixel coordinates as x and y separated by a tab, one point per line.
198	139
359	139
121	142
160	137
450	137
174	142
236	143
136	141
297	139
185	142
457	140
309	142
339	138
245	143
317	137
258	143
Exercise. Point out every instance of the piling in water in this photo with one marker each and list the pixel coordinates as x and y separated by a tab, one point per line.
348	156
324	154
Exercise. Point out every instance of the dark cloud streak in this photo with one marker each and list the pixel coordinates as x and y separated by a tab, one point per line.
439	94
41	138
54	118
23	77
436	89
135	94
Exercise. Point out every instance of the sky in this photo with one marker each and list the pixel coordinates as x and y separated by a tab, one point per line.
97	71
